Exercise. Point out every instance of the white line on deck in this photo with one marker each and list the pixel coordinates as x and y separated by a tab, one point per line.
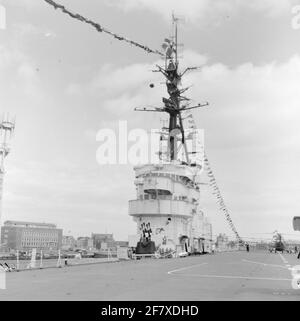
231	277
265	264
187	267
283	259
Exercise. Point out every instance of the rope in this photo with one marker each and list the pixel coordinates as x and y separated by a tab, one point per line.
99	28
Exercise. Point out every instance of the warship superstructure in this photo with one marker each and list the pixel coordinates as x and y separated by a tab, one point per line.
167	207
167	212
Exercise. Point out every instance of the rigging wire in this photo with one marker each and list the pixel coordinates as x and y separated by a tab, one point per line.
100	28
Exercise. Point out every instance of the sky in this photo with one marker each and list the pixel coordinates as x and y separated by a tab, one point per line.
64	82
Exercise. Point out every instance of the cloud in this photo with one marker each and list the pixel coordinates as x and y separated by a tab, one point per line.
265	98
122	89
112	81
267	92
268	95
251	128
272	8
50	34
68	195
195	10
28	4
9	58
18	74
29	29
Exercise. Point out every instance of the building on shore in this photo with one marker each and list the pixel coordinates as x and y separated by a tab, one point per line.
121	244
207	231
25	236
222	242
103	241
68	243
85	243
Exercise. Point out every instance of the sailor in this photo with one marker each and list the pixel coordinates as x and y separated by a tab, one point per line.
9	269
247	247
149	231
213	248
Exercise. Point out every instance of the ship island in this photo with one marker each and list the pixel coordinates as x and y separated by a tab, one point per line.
167	209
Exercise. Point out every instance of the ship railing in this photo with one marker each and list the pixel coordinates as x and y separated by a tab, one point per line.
157	197
140	256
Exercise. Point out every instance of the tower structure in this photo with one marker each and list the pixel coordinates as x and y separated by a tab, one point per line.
167	209
7	126
176	104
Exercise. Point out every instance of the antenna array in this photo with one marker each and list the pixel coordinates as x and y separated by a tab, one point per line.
176	104
7	127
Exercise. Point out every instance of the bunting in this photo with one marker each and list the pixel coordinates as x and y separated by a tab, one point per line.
100	28
216	190
220	200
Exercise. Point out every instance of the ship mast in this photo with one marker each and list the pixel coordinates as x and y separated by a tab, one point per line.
176	103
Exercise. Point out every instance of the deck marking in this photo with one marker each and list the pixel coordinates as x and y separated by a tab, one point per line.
283	259
185	268
231	277
265	264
